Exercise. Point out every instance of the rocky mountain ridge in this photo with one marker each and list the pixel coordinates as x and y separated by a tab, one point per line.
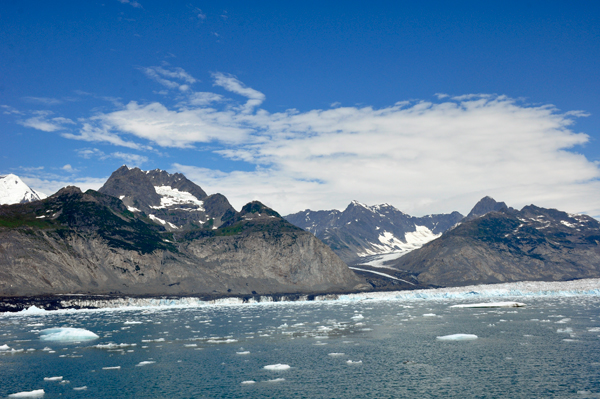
95	243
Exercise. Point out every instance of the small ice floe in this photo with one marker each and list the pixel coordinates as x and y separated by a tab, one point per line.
154	340
457	337
277	367
83	388
53	378
4	348
112	368
563	321
190	345
33	310
353	361
248	382
132	322
319	343
38	393
429	315
222	341
358	317
243	353
594	329
67	334
276	380
335	354
112	346
567	330
145	363
490	305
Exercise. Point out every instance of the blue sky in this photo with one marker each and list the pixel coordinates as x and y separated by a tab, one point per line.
428	107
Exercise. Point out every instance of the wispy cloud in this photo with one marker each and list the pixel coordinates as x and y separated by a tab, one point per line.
42	121
101	134
43	100
132	3
232	84
161	74
130	159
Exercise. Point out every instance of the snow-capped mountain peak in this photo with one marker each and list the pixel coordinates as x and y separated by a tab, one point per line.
14	191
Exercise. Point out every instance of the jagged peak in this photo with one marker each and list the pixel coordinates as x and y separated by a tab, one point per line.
485	205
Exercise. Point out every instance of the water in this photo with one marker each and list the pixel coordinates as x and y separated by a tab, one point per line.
335	349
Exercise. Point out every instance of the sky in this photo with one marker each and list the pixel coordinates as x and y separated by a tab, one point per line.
427	106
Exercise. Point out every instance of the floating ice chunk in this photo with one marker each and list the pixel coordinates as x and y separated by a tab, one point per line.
222	341
145	363
38	393
112	346
154	340
358	317
277	367
112	368
248	382
563	321
429	315
83	388
354	362
33	310
190	345
594	329
67	334
243	353
567	330
490	305
336	354
277	380
458	337
133	322
53	378
4	347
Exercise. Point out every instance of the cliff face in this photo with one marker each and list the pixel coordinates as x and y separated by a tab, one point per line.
90	243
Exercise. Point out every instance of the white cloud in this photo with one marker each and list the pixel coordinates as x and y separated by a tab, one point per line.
68	168
100	134
161	74
423	157
130	159
43	122
230	83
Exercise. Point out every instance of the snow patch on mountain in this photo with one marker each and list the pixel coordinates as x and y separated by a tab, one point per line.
172	196
391	247
14	191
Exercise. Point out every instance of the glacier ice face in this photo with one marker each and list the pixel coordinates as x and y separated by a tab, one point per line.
67	334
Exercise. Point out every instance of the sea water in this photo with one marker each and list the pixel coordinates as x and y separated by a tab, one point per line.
371	348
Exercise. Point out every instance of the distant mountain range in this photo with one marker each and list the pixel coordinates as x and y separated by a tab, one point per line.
493	243
362	234
155	233
14	191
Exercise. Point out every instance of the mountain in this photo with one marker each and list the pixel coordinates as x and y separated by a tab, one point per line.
14	191
95	243
505	245
169	199
485	206
363	234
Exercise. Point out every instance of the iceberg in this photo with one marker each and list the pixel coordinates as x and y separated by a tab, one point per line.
67	334
4	347
53	378
458	337
145	363
491	305
277	367
38	393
